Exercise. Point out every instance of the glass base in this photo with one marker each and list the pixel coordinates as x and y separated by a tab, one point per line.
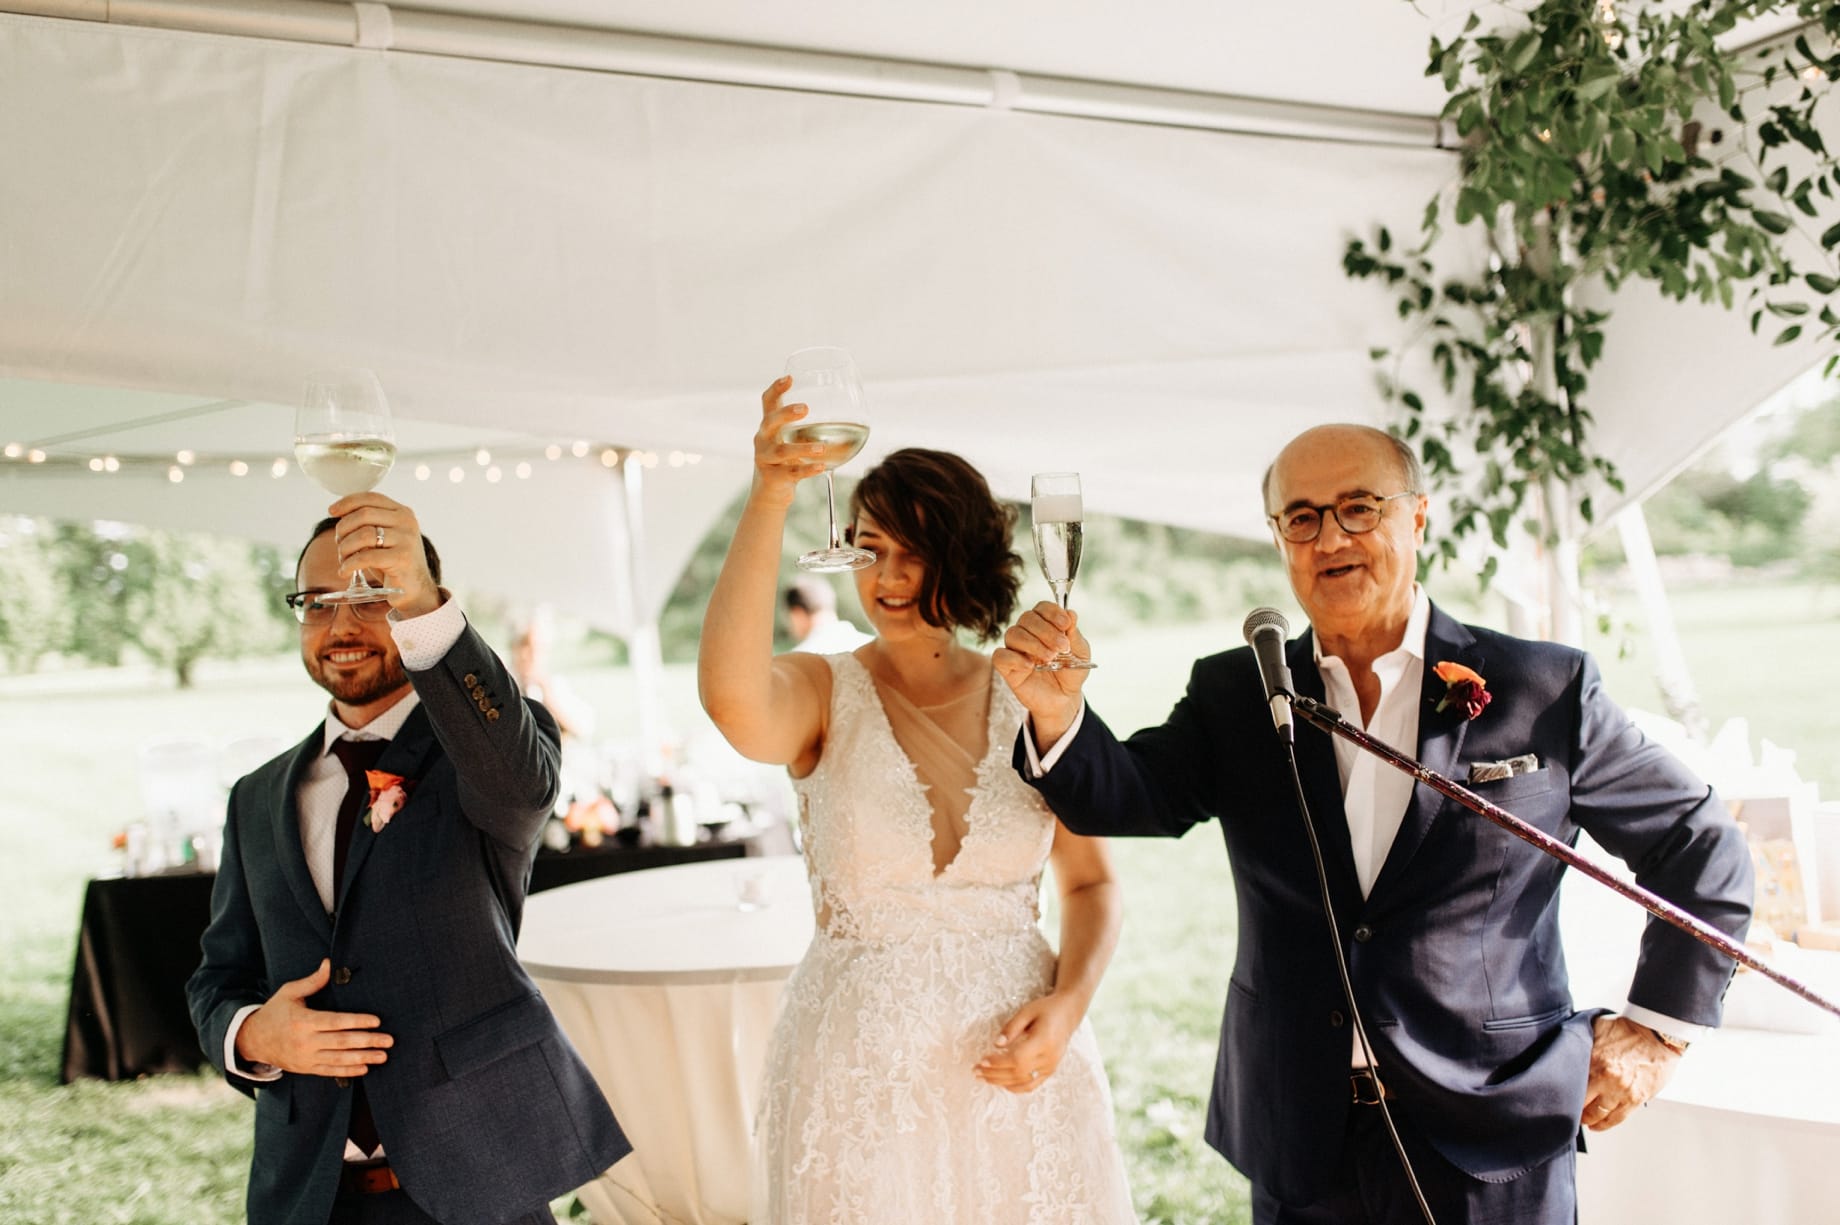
837	560
1065	663
359	591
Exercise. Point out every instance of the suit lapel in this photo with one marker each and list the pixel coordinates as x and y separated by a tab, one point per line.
284	810
407	757
1322	779
1440	740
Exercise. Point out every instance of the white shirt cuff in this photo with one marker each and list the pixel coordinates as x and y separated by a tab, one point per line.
255	1071
425	640
1040	765
1686	1031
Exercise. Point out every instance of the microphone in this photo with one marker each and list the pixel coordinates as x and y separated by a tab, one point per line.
1265	629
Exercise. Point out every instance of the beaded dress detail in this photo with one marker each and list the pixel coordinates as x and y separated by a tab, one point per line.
871	1113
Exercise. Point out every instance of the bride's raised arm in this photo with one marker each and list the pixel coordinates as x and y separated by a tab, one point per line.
771	709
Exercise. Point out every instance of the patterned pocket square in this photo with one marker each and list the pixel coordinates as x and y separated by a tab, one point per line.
1493	771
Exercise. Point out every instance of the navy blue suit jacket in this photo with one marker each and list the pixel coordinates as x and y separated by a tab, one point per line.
485	1110
1455	953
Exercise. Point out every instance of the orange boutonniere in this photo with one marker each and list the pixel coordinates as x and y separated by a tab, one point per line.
1462	687
388	794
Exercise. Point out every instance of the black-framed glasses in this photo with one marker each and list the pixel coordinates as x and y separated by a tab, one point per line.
309	609
1357	514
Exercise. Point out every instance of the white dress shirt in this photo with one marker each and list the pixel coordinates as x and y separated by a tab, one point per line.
422	641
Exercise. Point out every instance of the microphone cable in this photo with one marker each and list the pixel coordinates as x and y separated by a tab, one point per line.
1341	967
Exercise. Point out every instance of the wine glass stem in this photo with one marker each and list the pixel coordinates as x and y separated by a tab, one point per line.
830	497
1061	591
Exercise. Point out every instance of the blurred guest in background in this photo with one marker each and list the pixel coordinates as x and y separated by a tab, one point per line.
812	620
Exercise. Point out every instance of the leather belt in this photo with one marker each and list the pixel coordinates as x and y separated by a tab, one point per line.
367	1178
1366	1088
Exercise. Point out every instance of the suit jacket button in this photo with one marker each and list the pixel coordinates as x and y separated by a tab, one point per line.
340	1081
479	693
341	976
1336	1019
1363	934
492	716
471	680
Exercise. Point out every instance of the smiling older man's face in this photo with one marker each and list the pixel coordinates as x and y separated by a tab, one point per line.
1345	583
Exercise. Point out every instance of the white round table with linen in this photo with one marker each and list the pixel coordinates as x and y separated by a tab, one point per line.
669	990
1748	1130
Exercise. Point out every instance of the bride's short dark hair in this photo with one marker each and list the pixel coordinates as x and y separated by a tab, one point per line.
938	506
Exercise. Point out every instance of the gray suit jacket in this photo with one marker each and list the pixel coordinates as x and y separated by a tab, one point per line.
485	1110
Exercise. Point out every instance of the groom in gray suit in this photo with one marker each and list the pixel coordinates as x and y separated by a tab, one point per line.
360	975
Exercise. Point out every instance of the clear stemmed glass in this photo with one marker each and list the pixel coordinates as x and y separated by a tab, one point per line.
824	380
344	440
1056	512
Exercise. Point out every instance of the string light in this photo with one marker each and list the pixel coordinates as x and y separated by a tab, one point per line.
185	457
523	470
493	474
35	456
456	474
278	469
238	468
579	450
111	463
14	450
175	474
95	464
520	464
482	457
423	472
552	451
1813	72
610	458
677	459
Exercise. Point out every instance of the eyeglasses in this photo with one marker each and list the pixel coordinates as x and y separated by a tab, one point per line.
1357	514
309	609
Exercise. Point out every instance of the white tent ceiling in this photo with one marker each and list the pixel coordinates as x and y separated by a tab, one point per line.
530	254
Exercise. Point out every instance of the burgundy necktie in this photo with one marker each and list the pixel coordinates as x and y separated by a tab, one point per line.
356	756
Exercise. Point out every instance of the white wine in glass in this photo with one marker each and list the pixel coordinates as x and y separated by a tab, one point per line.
1057	513
824	380
343	439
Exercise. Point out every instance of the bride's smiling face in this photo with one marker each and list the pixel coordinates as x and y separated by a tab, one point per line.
890	589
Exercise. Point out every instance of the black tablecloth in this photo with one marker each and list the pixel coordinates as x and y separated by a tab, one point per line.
139	944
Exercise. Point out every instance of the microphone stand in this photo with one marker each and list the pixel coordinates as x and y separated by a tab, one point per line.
1326	718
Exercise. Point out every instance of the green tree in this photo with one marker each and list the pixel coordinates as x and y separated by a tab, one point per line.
198	596
31	589
94	562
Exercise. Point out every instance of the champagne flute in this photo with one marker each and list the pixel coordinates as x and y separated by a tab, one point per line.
824	379
344	440
1055	511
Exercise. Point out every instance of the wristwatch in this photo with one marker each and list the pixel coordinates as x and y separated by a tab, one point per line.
1677	1045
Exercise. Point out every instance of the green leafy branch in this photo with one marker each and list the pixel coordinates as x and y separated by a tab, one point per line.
1583	159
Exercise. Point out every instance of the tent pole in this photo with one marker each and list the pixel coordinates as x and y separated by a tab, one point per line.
1671	672
645	653
380	27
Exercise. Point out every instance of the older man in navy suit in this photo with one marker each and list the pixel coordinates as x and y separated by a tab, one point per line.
1449	924
360	975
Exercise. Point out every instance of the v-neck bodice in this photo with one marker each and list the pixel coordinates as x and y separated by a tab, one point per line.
868	826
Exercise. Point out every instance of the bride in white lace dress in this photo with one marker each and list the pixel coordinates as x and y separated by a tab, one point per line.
932	1062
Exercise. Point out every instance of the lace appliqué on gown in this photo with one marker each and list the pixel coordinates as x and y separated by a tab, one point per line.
871	1114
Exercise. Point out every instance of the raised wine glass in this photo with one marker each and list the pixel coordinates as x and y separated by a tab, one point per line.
1056	512
824	379
344	440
